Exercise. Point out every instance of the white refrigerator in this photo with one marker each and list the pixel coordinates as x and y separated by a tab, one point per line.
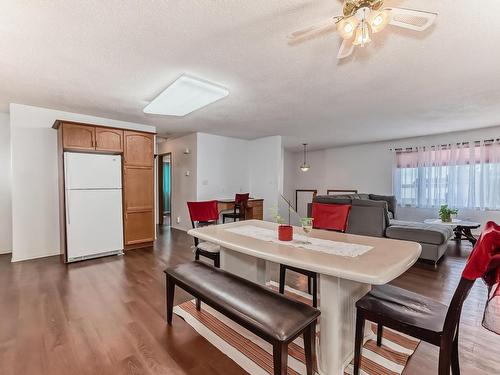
93	195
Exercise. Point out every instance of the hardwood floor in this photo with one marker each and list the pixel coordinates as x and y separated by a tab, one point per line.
107	316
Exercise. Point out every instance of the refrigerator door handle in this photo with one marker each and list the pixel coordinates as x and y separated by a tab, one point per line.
68	211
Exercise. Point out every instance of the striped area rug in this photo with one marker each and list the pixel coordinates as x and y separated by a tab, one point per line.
254	355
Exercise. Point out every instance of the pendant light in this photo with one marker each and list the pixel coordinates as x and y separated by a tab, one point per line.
304	167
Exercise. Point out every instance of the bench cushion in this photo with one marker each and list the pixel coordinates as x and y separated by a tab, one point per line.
418	232
266	311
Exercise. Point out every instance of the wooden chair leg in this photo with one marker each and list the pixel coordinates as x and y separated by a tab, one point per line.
445	358
310	347
315	290
455	362
380	333
280	358
170	283
282	279
358	343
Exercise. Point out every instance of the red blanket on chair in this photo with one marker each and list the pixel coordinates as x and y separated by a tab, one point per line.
330	216
484	263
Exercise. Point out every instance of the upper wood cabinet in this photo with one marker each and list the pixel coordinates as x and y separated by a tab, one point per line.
108	139
78	137
138	149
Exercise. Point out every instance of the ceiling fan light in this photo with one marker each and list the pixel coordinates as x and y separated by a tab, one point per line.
347	26
362	36
379	20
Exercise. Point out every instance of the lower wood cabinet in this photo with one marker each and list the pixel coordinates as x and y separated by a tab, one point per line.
139	228
138	204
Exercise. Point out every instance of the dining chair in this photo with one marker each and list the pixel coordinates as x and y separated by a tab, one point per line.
203	214
239	209
424	318
326	216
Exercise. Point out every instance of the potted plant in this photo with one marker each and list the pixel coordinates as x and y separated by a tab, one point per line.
285	231
445	213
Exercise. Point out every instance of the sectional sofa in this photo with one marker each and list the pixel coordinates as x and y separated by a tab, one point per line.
376	215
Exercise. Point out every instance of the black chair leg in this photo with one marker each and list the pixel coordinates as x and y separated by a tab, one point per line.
380	332
445	358
455	362
309	287
170	298
282	279
315	290
358	343
280	358
197	255
310	347
217	260
198	304
223	219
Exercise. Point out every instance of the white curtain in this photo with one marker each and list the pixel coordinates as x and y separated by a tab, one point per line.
463	175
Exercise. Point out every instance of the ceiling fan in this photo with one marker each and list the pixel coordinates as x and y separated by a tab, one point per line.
361	19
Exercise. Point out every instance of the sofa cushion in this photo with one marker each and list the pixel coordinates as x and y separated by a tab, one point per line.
373	203
418	232
390	199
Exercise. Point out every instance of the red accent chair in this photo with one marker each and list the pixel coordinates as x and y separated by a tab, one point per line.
239	209
326	216
428	320
203	214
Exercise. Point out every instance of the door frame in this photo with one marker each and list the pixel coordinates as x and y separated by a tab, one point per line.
160	186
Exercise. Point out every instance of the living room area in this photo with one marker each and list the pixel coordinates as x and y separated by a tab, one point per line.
204	187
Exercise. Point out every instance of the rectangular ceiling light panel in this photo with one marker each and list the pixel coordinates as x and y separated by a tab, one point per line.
185	95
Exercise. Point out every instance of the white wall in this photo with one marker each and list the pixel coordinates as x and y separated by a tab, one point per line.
223	167
266	171
184	188
35	198
5	192
368	168
220	167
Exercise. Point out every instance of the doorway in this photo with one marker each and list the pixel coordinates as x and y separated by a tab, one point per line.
165	189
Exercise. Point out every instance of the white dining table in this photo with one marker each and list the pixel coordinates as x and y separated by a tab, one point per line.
342	279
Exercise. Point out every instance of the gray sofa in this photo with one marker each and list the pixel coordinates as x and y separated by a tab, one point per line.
376	215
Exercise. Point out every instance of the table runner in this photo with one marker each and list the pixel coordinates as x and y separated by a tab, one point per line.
316	244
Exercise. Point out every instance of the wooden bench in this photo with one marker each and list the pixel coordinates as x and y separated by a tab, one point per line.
269	315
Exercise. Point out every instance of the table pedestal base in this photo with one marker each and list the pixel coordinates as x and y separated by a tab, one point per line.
338	322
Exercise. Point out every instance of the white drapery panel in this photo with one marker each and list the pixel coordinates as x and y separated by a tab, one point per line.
465	175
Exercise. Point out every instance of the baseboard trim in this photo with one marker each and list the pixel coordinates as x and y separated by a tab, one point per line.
38	256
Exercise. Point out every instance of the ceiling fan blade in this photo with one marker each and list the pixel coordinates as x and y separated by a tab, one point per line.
314	31
346	49
417	20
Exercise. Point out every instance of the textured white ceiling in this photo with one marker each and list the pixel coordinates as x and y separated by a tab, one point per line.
110	58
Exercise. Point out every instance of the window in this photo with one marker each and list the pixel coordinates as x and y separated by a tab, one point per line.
461	176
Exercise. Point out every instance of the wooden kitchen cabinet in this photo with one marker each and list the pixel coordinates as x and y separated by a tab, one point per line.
138	149
108	139
78	137
138	185
139	229
139	192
